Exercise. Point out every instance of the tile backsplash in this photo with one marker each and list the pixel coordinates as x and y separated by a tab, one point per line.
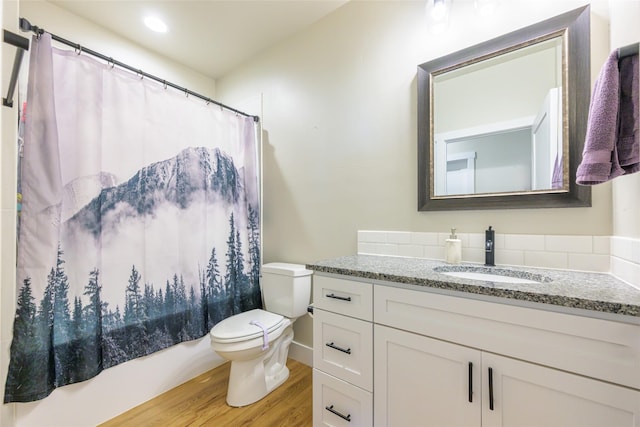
605	254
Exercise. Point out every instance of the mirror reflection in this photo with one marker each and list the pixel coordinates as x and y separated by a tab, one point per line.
498	122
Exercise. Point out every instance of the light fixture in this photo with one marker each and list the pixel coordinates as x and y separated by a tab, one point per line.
486	7
155	24
438	15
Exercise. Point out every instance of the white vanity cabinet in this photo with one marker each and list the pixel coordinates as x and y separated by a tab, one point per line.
343	352
390	356
448	361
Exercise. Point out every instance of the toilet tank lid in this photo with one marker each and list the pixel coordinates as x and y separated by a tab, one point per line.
286	269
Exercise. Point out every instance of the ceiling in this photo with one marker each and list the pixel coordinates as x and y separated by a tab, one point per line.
210	36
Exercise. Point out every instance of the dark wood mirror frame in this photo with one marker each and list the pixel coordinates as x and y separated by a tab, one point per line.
576	25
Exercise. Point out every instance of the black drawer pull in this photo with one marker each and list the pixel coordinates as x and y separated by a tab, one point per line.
335	347
491	389
334	296
333	411
470	382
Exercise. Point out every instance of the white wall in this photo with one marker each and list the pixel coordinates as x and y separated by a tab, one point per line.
340	129
119	388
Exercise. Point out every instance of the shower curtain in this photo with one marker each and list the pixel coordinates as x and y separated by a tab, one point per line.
139	225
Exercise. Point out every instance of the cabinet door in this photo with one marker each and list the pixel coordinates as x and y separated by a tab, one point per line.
419	381
526	395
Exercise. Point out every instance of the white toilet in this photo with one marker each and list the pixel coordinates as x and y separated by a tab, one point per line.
257	341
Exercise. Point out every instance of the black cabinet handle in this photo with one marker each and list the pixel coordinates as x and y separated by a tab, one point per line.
333	411
334	296
491	389
335	347
470	382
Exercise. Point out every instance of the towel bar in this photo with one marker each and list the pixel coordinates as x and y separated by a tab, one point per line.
629	50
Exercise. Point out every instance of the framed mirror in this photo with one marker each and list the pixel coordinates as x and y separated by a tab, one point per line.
502	124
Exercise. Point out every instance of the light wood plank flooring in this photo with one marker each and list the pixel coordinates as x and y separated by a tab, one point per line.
201	402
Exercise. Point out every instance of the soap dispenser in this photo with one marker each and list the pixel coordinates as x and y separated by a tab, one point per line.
453	249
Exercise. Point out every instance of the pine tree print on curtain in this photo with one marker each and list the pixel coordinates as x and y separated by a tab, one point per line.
139	224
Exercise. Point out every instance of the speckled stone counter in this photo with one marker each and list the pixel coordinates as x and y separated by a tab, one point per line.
597	292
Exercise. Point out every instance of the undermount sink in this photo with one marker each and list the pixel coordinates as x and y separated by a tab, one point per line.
491	274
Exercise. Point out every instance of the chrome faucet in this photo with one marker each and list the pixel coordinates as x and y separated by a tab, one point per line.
489	247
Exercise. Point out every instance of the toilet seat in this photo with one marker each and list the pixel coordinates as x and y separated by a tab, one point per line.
239	328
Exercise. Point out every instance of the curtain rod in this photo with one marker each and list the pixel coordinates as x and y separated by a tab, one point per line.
25	26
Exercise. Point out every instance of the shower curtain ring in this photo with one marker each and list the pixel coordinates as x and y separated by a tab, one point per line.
208	101
141	74
186	92
165	83
78	49
110	63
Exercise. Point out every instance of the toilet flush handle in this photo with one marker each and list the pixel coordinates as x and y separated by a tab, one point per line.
265	335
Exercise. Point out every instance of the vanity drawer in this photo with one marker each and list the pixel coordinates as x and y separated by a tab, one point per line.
346	297
343	347
337	403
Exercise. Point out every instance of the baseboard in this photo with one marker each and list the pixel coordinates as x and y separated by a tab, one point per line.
301	353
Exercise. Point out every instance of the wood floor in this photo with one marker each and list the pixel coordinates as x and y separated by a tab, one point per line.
201	402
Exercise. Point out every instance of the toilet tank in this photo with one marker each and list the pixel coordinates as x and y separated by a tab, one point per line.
286	288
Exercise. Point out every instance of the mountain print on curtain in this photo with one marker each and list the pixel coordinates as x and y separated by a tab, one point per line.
112	269
77	339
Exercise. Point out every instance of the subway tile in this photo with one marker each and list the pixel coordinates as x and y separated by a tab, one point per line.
473	255
635	251
434	252
422	238
585	253
411	251
589	262
386	249
475	240
366	248
575	244
602	245
398	237
372	236
525	242
464	239
442	238
625	270
546	259
509	257
621	247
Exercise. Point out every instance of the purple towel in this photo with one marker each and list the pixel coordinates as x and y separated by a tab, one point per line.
628	144
599	157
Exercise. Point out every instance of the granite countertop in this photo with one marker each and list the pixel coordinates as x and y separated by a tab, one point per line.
598	292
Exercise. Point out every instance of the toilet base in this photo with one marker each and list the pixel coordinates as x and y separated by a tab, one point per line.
251	380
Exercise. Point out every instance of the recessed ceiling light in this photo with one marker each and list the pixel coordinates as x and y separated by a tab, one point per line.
155	24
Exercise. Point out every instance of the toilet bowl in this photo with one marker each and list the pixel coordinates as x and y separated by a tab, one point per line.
257	341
